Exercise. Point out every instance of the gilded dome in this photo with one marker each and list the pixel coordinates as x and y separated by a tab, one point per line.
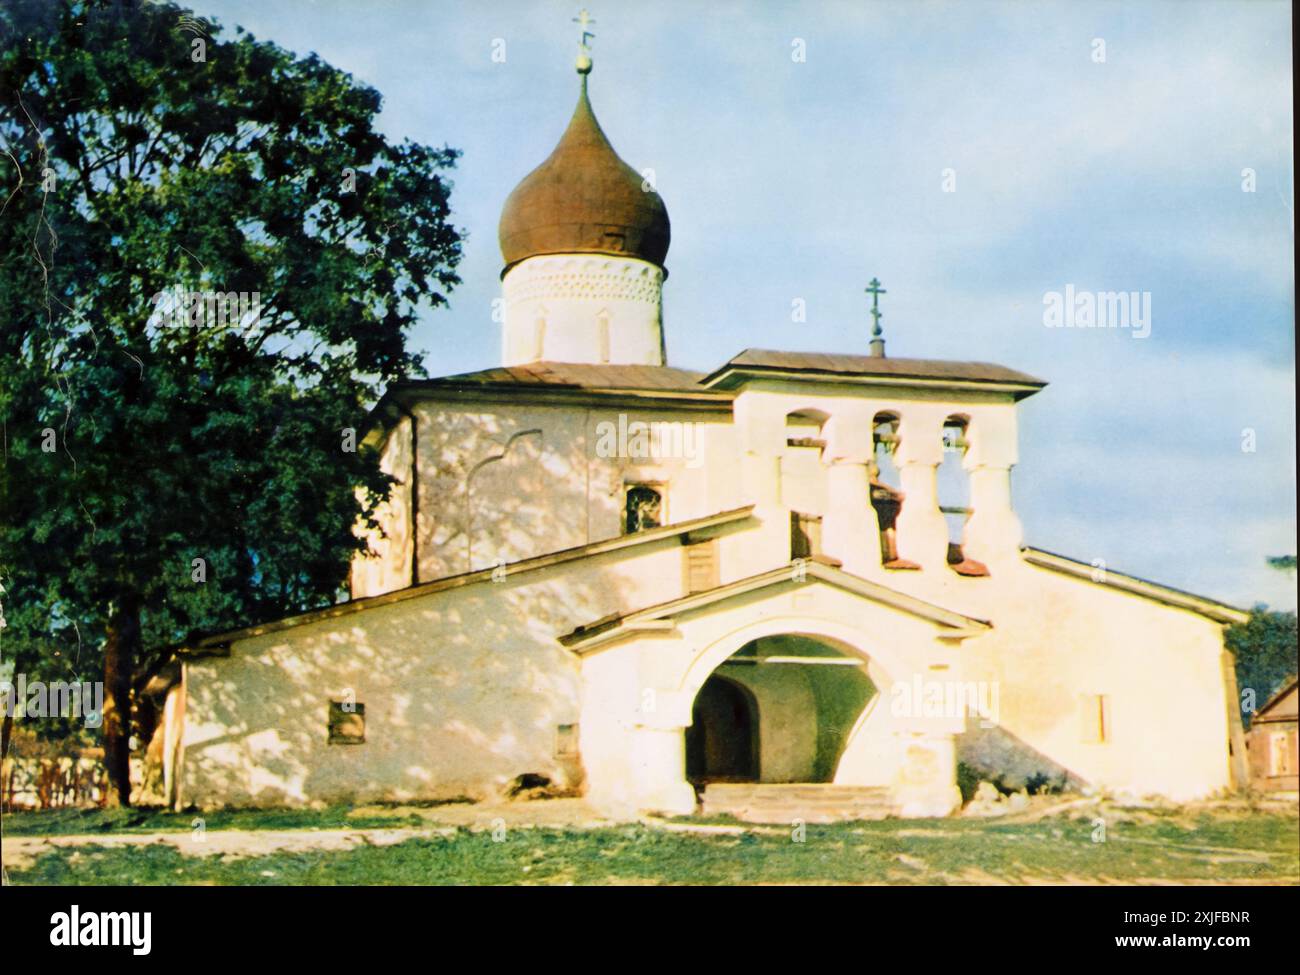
584	199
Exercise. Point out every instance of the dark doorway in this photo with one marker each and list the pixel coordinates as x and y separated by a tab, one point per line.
722	741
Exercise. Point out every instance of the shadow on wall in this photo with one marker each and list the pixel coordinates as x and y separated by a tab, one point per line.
464	692
995	755
516	483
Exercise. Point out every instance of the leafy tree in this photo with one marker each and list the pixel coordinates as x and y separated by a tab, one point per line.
1265	647
140	154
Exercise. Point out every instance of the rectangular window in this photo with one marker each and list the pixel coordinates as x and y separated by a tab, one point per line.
347	723
643	507
805	535
566	741
1094	714
701	565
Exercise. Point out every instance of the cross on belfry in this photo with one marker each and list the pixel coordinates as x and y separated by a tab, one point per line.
877	342
875	290
584	21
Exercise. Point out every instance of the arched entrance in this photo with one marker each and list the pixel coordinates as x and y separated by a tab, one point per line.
722	740
781	709
805	672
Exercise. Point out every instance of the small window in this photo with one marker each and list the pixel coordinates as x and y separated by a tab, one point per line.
805	535
539	338
1094	714
347	723
701	565
566	741
602	330
643	508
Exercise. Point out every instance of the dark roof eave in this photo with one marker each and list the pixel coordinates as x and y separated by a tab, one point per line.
858	370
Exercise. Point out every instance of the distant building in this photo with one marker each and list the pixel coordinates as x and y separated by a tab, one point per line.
1273	742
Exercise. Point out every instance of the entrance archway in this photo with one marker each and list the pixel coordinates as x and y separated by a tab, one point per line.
783	709
722	740
635	744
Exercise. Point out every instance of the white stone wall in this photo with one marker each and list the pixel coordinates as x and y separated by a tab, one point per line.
1057	639
583	308
463	691
503	482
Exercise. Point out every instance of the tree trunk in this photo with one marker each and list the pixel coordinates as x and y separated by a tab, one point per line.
120	650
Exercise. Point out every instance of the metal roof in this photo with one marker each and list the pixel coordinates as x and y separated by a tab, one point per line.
753	361
579	375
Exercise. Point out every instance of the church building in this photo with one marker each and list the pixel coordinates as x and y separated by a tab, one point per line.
668	591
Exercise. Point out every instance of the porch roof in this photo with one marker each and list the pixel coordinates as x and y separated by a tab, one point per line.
585	638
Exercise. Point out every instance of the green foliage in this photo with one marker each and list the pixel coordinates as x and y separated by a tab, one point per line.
1042	784
128	169
968	780
1265	651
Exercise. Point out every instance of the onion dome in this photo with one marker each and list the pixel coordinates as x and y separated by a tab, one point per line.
584	199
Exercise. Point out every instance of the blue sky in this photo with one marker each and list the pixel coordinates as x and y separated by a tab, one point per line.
792	179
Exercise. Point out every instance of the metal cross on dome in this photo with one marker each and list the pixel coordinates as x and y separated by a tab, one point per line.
584	21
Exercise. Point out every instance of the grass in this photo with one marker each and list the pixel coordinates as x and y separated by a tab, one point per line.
69	822
1259	848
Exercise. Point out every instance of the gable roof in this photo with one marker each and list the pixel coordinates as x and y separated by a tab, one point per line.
1209	608
757	363
585	638
1264	715
618	543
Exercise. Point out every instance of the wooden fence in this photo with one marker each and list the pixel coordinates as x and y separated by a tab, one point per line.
52	783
